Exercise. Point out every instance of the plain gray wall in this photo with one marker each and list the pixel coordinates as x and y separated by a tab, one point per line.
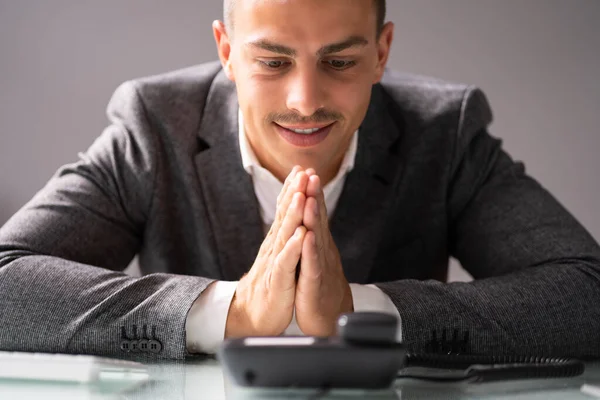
537	60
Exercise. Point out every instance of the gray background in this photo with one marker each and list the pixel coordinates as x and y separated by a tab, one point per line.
537	60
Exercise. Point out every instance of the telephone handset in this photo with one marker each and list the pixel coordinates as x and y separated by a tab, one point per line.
364	354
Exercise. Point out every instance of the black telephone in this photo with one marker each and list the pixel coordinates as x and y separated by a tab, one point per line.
365	355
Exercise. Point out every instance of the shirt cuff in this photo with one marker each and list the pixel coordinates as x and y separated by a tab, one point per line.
371	298
206	320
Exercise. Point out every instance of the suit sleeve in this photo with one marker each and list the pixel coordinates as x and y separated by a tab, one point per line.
62	288
537	270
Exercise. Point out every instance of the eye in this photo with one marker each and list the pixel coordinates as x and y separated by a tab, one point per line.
340	64
273	64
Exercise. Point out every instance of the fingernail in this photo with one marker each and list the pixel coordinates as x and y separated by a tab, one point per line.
318	185
298	178
293	172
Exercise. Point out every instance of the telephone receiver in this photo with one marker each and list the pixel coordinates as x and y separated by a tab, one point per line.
365	354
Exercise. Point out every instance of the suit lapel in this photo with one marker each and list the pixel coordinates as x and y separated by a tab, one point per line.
359	218
227	188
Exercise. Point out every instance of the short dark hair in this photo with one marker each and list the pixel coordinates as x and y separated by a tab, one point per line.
229	5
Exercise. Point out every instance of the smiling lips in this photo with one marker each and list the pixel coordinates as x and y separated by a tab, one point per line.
304	136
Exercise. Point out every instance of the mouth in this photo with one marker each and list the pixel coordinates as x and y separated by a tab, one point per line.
304	136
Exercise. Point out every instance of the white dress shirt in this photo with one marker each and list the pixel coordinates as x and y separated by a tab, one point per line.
205	323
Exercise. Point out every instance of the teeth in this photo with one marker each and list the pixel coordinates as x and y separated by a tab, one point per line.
305	131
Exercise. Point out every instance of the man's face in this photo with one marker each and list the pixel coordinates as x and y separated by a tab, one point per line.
304	71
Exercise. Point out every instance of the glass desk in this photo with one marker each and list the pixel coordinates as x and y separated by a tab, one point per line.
204	379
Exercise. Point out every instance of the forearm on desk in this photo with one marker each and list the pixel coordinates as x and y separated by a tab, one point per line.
548	310
59	306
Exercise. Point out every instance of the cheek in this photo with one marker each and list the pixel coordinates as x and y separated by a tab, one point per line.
259	91
351	100
256	100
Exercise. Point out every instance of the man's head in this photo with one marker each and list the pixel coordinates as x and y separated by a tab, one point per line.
301	65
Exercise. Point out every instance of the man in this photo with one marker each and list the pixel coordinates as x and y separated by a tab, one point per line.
287	184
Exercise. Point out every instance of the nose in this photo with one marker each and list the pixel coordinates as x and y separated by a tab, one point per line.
305	92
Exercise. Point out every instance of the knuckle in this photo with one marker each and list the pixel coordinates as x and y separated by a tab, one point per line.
280	213
265	246
280	244
269	252
320	247
276	261
267	279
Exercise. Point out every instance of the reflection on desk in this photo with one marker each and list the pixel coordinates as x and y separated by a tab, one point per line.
204	379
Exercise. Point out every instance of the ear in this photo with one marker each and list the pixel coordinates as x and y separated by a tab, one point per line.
384	44
223	47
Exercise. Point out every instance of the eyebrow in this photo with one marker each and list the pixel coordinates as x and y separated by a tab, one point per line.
352	41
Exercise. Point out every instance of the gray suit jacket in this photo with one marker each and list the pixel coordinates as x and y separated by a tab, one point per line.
165	181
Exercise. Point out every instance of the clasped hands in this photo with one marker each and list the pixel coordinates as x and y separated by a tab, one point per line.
265	298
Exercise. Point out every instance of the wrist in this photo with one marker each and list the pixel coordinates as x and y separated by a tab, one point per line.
236	325
348	301
233	324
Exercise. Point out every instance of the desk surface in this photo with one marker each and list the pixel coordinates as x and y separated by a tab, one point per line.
205	380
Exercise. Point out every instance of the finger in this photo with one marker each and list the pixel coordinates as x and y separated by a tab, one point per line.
284	190
298	184
311	212
309	279
311	171
310	217
283	271
291	221
314	189
288	181
286	185
315	211
271	240
315	183
312	223
310	268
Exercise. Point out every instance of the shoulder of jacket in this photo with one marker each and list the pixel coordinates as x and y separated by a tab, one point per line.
428	99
